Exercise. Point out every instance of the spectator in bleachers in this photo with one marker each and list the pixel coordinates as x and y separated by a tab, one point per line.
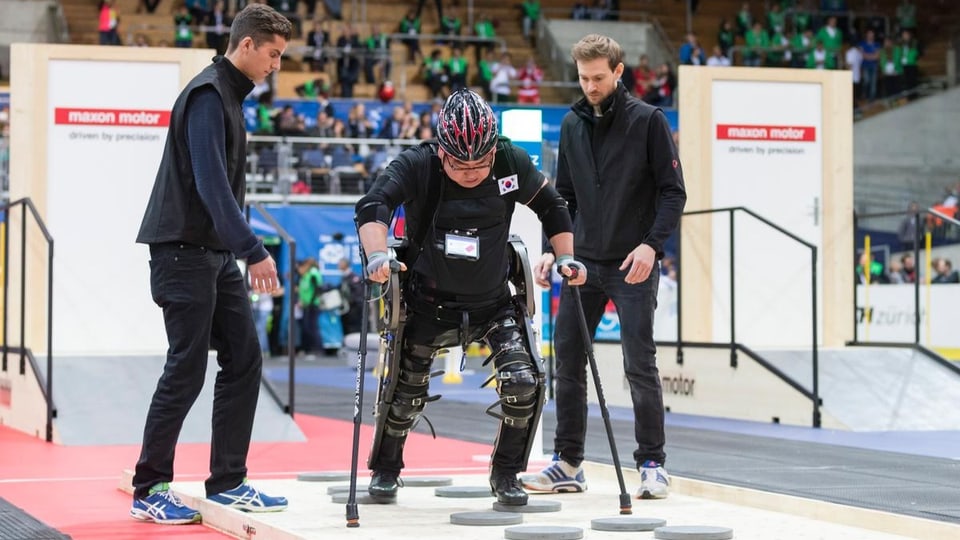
450	25
108	22
944	271
853	60
218	28
691	53
776	20
907	230
801	45
485	30
457	68
324	127
410	25
348	65
726	37
907	16
140	40
377	56
439	4
485	74
436	74
503	74
530	14
579	12
530	76
872	19
313	88
909	55
907	273
660	93
891	68
803	16
778	55
358	125
319	39
643	76
392	127
744	19
820	58
198	9
183	31
291	124
265	114
877	275
870	68
149	6
757	41
831	37
411	126
718	59
600	11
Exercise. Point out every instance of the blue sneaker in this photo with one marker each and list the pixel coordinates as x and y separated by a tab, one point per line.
164	507
559	477
249	499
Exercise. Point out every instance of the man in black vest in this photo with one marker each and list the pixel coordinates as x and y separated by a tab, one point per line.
620	175
458	194
196	232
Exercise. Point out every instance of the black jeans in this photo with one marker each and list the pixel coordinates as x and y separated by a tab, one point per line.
635	306
204	300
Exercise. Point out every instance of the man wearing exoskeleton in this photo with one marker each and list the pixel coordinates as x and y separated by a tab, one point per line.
458	194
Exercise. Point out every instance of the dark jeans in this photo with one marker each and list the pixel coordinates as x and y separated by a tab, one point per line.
635	305
204	300
310	337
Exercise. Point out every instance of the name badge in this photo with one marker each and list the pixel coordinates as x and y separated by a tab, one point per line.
461	247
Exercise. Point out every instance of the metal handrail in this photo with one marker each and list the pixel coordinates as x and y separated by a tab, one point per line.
27	205
291	348
814	395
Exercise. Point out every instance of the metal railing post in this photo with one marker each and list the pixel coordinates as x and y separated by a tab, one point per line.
815	359
733	295
23	292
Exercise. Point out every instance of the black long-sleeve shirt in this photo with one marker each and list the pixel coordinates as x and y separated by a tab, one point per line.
206	141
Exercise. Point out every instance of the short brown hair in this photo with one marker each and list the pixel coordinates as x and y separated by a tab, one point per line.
595	46
260	22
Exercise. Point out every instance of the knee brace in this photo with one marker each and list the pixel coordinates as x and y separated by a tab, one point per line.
517	386
410	396
519	381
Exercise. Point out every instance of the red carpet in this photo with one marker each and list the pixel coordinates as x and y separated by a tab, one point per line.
75	489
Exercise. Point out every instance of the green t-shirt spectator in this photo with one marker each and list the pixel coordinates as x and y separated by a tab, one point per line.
831	38
406	25
890	62
907	16
450	25
458	65
909	54
757	40
484	29
531	9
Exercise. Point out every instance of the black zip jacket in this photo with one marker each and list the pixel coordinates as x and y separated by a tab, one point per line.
621	177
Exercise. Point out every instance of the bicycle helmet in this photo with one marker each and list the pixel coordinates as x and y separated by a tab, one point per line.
467	127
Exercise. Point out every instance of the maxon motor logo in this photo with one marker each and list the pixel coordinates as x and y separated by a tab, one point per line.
745	132
111	117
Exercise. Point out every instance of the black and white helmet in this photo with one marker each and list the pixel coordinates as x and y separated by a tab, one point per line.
467	127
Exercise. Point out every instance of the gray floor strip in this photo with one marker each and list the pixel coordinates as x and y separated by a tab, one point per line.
15	524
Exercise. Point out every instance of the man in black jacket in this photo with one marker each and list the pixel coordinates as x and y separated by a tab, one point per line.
620	175
196	232
458	195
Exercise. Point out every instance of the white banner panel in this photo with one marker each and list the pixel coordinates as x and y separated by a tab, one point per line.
107	123
892	314
767	157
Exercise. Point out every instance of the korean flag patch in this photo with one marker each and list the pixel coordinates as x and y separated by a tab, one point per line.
508	184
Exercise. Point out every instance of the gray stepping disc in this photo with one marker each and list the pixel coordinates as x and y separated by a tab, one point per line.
333	490
362	498
533	506
323	476
427	481
463	492
626	523
693	532
485	518
542	532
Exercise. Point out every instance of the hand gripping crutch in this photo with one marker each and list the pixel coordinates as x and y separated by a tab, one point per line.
625	505
353	516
